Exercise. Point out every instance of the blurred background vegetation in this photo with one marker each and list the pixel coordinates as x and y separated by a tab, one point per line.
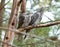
51	13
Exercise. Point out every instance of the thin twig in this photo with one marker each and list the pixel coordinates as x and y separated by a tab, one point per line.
48	18
4	5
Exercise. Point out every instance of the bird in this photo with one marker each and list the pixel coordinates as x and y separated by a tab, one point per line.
24	20
35	19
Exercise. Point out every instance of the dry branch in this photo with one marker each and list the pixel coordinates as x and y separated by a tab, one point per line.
41	25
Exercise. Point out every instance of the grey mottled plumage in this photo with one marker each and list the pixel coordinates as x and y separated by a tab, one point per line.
36	18
26	20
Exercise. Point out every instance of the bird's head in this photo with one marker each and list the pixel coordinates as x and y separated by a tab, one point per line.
41	10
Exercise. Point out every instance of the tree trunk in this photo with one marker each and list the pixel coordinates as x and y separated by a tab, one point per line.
23	6
9	35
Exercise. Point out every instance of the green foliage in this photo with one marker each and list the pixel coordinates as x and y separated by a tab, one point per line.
42	31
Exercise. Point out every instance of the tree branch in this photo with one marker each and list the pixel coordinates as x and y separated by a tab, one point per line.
41	25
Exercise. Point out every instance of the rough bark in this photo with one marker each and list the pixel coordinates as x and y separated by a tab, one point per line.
9	36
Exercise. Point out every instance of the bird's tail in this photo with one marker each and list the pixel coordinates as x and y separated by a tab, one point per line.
26	32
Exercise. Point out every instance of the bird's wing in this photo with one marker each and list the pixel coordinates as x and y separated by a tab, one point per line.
26	21
21	21
34	17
